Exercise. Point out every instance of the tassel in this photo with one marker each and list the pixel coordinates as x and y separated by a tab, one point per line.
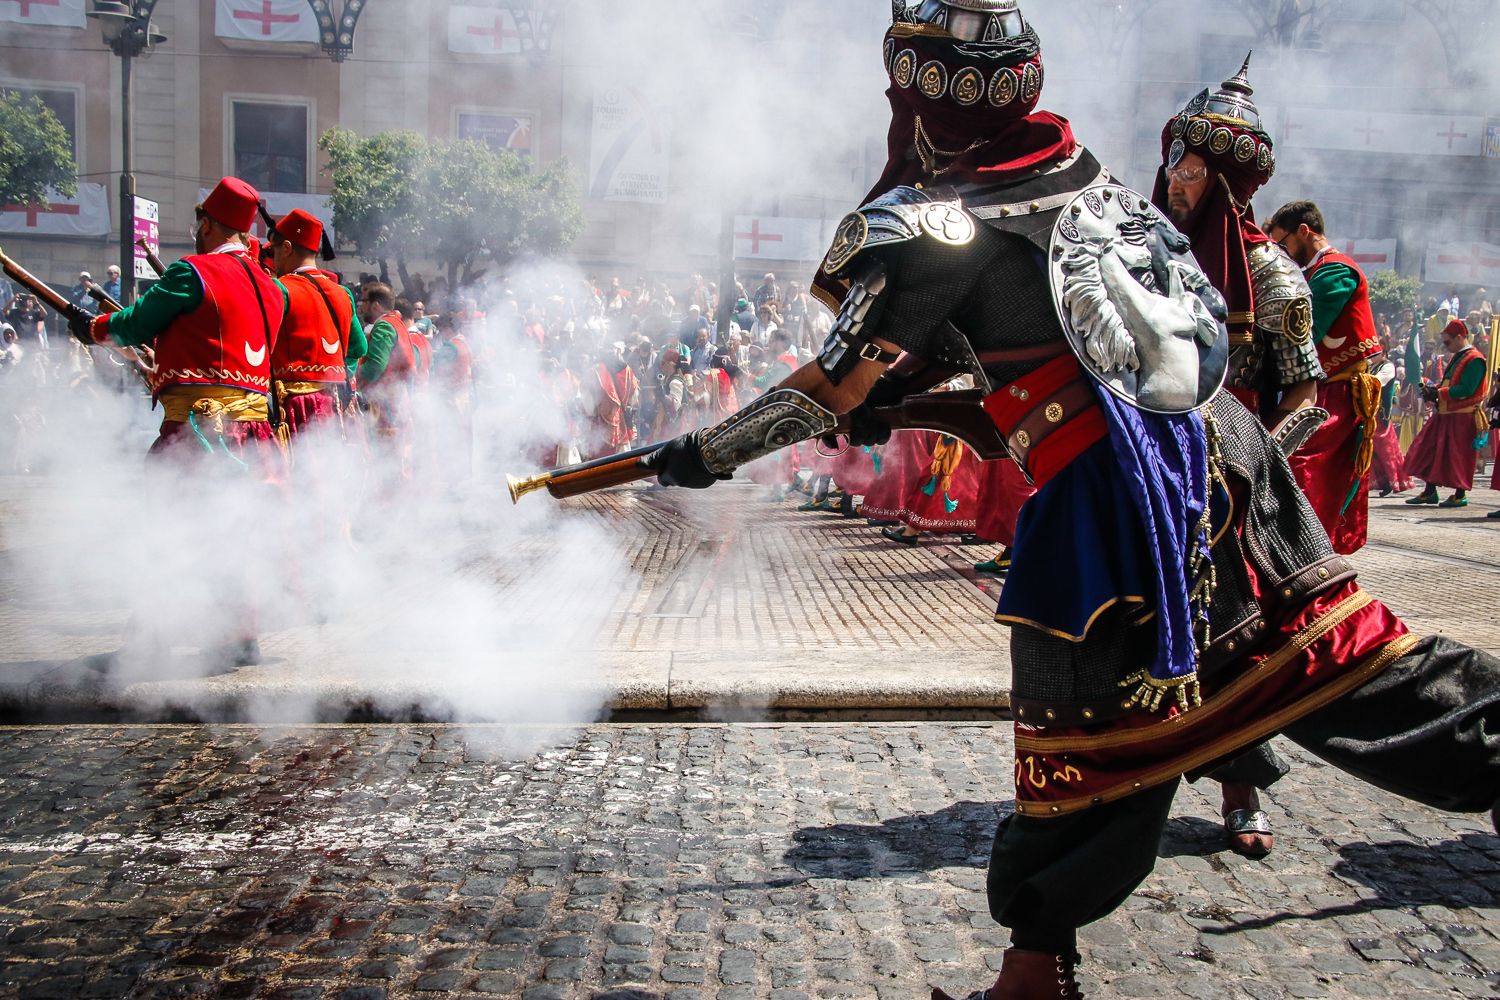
1149	692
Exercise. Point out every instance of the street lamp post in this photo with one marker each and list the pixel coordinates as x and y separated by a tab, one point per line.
129	34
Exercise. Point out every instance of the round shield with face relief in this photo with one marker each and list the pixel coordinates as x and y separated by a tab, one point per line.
1138	312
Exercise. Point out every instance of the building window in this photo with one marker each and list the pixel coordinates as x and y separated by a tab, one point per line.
497	131
62	103
270	146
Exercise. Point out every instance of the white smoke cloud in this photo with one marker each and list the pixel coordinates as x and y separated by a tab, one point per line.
432	598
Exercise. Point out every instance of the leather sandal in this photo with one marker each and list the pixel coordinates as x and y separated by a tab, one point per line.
1030	975
1243	827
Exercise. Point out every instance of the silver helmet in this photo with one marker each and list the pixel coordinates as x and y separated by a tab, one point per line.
966	20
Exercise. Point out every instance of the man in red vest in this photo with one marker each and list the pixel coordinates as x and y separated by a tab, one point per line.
212	320
1443	454
1333	468
321	334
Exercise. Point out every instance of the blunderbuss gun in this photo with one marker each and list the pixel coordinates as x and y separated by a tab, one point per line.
959	415
151	258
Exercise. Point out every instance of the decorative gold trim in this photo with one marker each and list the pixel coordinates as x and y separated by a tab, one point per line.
1299	643
1112	602
1268	726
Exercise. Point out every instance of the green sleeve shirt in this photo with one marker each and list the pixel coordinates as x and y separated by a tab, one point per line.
359	345
1466	386
1333	285
377	357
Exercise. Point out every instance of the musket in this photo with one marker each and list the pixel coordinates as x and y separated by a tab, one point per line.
36	286
138	360
151	257
957	414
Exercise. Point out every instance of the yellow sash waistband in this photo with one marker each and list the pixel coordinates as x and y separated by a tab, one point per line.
214	402
1347	374
286	390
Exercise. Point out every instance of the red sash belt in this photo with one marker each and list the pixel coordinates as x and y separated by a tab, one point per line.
1049	418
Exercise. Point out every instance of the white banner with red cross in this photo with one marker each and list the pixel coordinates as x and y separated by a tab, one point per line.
46	13
767	238
85	214
483	31
265	21
1463	264
1383	132
1372	256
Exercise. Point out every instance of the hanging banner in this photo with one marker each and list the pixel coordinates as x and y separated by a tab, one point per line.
764	238
1463	264
497	131
266	21
85	214
148	229
46	13
1384	132
630	157
483	31
1372	256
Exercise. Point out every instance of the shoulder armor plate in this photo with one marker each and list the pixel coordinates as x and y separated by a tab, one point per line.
899	216
1283	300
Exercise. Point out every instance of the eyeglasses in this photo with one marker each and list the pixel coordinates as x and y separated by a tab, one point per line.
1187	175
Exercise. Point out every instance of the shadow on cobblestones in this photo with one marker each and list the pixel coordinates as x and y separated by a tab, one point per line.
958	836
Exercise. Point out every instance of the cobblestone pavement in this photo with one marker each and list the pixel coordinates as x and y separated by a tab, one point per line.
632	863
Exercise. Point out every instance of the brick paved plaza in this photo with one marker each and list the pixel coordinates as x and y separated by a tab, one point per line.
684	861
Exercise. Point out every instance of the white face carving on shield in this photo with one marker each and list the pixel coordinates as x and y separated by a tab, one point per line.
1139	314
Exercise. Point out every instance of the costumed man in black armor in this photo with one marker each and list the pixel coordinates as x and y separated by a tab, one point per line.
1174	601
1216	155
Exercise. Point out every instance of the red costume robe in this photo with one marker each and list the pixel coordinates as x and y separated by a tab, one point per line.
1003	491
614	393
1333	467
944	494
1443	454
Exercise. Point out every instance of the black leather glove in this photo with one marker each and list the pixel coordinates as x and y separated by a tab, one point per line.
680	463
866	429
1430	393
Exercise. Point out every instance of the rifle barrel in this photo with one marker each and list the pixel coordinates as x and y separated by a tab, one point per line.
35	285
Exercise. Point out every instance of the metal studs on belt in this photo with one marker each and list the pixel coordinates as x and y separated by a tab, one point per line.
1054	413
1023	439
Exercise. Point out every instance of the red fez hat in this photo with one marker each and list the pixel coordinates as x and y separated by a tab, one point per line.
1456	328
232	204
301	230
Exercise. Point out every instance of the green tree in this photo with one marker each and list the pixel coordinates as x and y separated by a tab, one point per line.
378	207
35	152
487	206
1390	293
397	197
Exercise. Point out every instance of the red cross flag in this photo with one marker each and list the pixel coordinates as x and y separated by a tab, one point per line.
50	13
265	21
86	214
1464	264
1372	256
483	31
766	238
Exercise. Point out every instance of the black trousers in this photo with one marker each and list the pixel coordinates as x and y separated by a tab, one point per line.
1427	729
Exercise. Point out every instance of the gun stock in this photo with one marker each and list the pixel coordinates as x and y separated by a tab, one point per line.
957	414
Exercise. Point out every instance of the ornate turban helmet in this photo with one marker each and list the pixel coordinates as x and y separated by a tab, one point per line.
966	20
1225	128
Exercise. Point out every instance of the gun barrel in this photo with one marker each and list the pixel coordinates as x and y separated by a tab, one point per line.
588	477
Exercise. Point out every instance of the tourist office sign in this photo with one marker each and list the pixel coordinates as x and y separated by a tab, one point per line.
147	237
